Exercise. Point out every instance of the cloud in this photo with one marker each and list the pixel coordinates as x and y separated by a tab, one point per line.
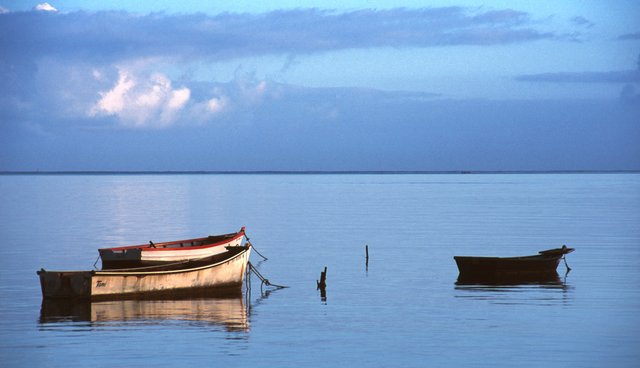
139	100
42	49
217	104
629	36
101	49
615	76
142	101
45	7
582	22
117	36
625	76
289	63
113	101
3	10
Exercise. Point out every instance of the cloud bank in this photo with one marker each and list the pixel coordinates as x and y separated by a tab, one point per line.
110	36
73	81
627	78
341	129
100	65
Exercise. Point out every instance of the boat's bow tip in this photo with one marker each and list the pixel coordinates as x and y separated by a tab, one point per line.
561	251
567	250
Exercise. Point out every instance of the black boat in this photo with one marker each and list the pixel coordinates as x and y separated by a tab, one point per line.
545	262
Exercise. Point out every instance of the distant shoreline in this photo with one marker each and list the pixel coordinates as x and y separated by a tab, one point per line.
315	172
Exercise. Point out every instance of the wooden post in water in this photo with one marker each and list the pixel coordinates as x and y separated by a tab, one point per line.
322	284
366	252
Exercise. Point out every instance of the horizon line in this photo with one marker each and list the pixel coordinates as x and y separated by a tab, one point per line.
304	172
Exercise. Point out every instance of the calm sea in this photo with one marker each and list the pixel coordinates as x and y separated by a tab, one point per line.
403	310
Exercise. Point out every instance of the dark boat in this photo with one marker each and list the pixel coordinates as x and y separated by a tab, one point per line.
545	262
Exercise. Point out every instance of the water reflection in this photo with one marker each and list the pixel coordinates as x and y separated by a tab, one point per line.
135	201
548	279
228	312
543	289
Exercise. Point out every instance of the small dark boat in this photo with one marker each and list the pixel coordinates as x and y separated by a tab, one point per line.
545	261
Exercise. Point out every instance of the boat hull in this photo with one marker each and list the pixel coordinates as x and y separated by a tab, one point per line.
222	273
546	262
507	266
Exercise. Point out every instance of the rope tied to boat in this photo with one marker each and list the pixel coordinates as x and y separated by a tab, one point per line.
96	262
254	248
565	251
263	279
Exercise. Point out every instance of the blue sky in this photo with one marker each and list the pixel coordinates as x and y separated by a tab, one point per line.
302	85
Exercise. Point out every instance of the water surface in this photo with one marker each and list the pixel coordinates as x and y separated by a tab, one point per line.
405	309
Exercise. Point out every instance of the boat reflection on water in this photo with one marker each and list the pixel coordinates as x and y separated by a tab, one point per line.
551	279
546	288
228	311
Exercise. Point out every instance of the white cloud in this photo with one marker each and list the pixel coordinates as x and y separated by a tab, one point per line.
179	98
3	10
113	101
155	92
142	101
217	104
261	87
45	7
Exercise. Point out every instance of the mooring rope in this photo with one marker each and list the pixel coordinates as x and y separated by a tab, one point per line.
254	248
262	278
96	262
565	263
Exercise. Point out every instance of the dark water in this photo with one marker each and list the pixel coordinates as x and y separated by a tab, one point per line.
404	310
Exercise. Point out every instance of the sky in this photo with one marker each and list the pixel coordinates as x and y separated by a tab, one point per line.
319	85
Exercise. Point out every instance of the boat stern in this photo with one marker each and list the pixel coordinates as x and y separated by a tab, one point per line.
65	284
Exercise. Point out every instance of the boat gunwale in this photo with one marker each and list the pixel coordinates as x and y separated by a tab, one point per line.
163	246
540	257
545	255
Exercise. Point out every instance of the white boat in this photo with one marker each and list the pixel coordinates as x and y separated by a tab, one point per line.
166	252
221	273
